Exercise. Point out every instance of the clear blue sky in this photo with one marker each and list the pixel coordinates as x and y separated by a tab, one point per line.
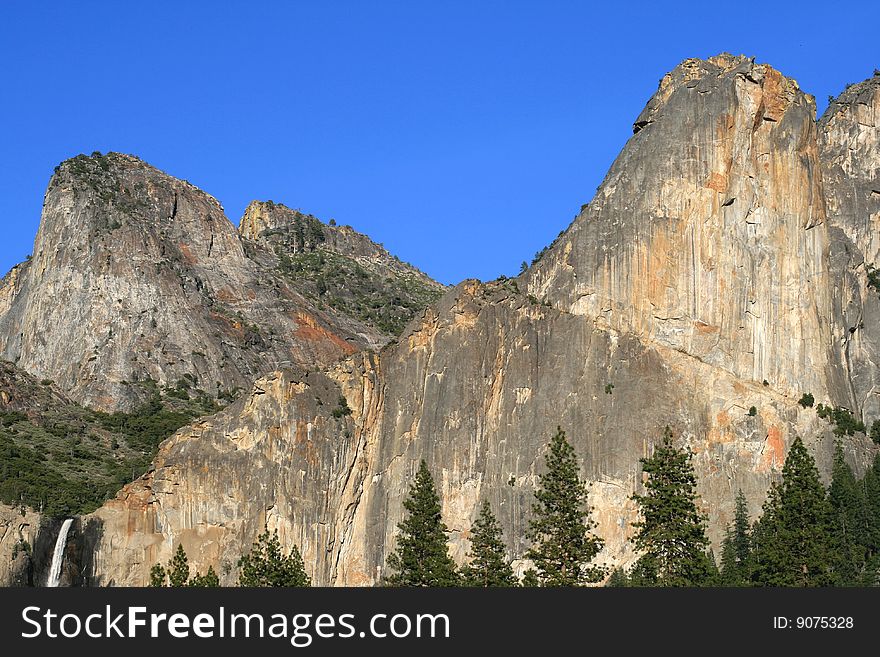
462	135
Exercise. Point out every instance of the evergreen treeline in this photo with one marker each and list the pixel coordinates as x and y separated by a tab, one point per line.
807	535
563	544
265	565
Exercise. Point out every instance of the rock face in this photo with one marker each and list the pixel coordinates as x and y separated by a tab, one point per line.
849	146
18	534
707	235
139	275
697	284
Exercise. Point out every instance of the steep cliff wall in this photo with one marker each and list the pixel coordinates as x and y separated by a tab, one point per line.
136	275
708	233
849	146
476	389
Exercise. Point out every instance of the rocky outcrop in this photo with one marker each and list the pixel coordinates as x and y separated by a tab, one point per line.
340	269
18	533
139	275
477	390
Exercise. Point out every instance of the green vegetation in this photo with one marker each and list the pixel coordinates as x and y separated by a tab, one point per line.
488	565
853	526
66	459
540	254
806	536
845	423
753	411
671	534
875	431
21	545
342	408
807	400
736	548
332	280
563	545
873	277
267	566
95	172
177	574
794	541
421	557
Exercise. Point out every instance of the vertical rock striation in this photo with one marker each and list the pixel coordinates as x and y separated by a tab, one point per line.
708	233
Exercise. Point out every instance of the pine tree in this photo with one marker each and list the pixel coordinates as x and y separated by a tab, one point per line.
729	566
530	579
422	557
793	541
177	573
617	579
209	579
563	545
488	565
178	568
870	487
737	546
266	565
158	576
851	522
672	531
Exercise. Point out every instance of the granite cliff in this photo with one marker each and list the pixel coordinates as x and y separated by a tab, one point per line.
137	276
722	266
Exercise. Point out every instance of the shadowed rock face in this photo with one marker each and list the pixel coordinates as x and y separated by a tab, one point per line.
701	270
136	274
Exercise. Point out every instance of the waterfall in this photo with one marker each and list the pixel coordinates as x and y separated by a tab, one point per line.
58	554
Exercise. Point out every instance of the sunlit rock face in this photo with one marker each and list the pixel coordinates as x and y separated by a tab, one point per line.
135	275
714	271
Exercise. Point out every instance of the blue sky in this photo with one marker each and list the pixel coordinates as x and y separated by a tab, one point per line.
462	135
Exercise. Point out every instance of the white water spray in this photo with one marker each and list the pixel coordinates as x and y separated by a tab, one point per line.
58	554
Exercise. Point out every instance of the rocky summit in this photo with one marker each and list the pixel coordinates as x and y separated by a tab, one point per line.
724	268
137	275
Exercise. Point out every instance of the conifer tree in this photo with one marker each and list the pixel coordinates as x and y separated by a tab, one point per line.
209	579
871	487
672	531
736	548
177	574
158	576
851	522
489	565
617	579
266	565
530	579
563	545
793	541
178	568
421	557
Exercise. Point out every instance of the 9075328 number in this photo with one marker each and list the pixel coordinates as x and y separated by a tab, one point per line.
823	622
